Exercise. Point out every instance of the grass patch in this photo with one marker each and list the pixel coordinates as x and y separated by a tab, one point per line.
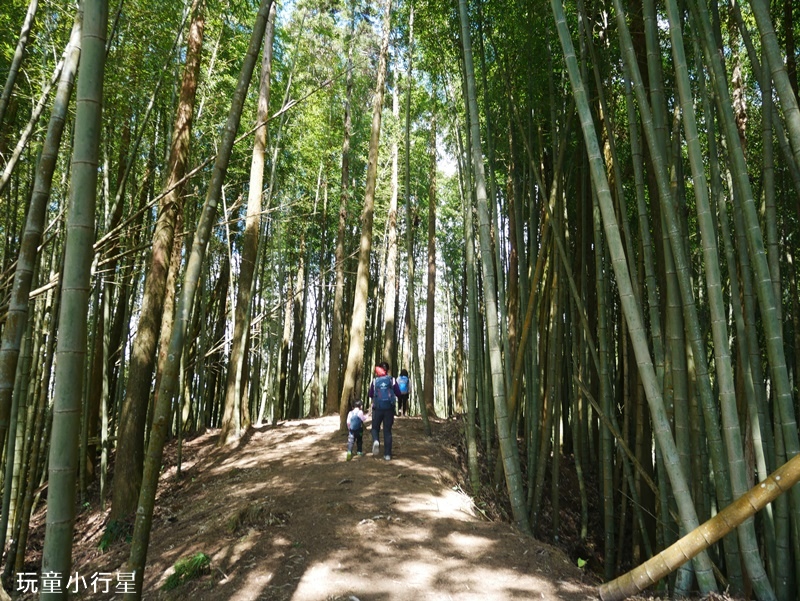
186	569
116	530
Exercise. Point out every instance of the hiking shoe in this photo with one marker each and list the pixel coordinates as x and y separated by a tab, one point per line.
376	448
387	457
349	456
360	454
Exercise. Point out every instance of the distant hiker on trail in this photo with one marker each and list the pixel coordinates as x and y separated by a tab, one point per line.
383	390
355	430
404	387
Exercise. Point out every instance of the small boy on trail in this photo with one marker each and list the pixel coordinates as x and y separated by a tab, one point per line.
355	430
383	390
404	387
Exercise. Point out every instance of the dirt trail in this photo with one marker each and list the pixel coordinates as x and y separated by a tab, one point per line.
283	516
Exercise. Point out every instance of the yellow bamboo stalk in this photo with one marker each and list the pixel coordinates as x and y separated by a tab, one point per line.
705	535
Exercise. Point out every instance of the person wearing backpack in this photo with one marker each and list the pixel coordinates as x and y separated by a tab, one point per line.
404	388
355	430
383	391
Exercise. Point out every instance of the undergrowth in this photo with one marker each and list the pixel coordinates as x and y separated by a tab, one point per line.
186	569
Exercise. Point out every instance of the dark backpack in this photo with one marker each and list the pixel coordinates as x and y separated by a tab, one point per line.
384	393
402	384
355	424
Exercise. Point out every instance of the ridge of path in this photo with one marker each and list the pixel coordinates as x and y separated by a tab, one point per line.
284	517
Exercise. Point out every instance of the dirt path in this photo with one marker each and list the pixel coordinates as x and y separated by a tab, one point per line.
284	517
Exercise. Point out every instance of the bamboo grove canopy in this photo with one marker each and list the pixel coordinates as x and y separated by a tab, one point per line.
575	224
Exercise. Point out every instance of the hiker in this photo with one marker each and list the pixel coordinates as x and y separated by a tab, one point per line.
383	391
403	386
355	430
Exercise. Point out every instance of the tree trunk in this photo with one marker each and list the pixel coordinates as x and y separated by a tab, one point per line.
630	309
232	421
31	238
702	537
508	447
335	361
71	348
16	61
294	399
169	381
358	322
430	313
389	309
133	418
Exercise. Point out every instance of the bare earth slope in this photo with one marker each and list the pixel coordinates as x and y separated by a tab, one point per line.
283	516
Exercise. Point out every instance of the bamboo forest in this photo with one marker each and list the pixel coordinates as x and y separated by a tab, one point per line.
551	245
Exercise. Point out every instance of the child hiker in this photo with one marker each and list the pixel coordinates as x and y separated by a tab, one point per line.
403	386
355	429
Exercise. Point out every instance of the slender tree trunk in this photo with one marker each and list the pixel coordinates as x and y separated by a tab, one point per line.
780	75
71	348
16	61
358	322
508	447
630	309
334	361
30	127
294	398
411	312
31	238
389	308
15	557
232	421
169	381
133	418
469	293
281	412
430	312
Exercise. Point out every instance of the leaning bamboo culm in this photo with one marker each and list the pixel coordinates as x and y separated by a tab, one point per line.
705	535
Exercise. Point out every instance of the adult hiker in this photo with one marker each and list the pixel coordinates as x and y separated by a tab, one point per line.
383	391
404	387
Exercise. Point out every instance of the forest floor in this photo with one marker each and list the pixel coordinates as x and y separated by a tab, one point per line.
283	516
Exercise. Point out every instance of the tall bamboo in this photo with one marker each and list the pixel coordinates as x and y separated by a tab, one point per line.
169	381
780	77
630	309
682	270
131	436
32	235
755	242
722	355
431	297
71	348
16	61
355	356
508	447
